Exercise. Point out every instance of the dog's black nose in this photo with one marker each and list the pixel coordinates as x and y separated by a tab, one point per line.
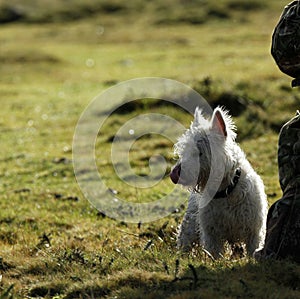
175	174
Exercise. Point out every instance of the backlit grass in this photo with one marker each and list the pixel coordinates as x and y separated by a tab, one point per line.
53	62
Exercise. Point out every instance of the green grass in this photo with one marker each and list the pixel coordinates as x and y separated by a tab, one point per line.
53	62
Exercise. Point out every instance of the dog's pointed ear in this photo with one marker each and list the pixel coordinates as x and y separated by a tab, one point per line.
218	122
197	117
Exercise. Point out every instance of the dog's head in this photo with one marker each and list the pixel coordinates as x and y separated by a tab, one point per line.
203	141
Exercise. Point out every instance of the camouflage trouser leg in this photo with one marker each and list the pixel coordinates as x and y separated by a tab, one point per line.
283	229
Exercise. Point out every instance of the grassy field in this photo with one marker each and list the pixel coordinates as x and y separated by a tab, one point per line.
55	57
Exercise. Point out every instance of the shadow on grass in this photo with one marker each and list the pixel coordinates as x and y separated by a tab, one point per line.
226	280
249	281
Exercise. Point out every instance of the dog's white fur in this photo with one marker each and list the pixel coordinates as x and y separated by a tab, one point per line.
208	159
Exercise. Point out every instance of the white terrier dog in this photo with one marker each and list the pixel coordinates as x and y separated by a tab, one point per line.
227	200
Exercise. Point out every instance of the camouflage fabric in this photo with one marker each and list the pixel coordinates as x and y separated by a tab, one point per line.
286	42
289	153
283	228
283	221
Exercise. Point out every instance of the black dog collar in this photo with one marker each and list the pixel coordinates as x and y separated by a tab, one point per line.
225	192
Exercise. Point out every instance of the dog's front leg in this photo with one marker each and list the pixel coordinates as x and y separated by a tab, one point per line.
188	233
214	245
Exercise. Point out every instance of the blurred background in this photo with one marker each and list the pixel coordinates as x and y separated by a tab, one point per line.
55	57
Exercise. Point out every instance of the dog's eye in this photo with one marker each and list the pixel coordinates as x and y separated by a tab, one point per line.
200	154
